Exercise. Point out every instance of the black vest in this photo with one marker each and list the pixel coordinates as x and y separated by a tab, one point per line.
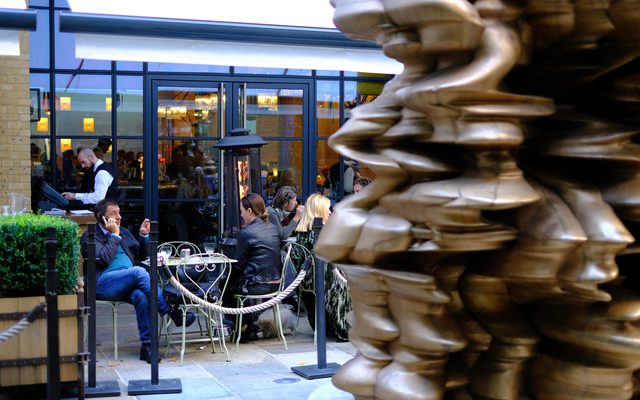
88	184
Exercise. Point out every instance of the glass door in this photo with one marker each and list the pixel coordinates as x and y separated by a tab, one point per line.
188	119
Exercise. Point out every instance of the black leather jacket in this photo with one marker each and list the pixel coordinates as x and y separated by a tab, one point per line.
258	252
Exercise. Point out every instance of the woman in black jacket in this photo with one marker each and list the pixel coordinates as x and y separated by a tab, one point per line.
258	255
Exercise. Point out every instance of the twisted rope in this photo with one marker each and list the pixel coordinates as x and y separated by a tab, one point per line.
23	323
246	310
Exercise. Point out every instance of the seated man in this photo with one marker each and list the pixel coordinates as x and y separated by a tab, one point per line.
118	279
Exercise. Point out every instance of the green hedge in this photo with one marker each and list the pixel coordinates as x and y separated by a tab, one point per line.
22	256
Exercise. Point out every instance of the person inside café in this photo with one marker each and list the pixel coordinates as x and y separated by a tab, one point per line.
360	183
284	211
100	182
258	255
119	278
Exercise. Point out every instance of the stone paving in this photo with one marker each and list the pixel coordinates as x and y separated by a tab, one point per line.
259	370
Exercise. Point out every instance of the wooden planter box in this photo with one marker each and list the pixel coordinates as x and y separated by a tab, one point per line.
28	349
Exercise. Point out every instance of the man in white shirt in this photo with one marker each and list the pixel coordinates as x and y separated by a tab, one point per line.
100	184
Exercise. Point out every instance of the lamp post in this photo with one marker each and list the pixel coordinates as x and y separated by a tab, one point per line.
241	175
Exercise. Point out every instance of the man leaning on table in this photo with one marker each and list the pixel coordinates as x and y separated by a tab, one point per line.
117	276
100	183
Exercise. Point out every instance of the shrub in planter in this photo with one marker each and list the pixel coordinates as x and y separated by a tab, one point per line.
22	254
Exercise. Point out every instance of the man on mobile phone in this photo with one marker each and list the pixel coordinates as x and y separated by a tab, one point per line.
100	183
118	277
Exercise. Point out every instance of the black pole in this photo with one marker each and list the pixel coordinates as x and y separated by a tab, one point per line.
90	283
153	267
104	388
321	370
321	320
154	385
51	288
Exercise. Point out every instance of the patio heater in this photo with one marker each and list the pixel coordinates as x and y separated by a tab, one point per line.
241	175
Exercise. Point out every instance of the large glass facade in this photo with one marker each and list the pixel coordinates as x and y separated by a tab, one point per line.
101	104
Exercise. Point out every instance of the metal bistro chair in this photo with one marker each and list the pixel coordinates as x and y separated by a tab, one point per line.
114	304
241	299
206	275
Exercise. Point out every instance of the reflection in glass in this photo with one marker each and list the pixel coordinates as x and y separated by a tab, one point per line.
191	112
79	97
188	221
41	82
328	107
39	41
129	169
281	166
129	105
275	112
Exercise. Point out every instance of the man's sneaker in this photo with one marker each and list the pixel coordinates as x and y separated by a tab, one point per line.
176	316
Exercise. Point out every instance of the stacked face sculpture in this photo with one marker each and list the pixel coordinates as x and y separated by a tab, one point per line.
483	262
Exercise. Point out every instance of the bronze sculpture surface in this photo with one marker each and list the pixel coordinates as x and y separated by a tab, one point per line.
493	256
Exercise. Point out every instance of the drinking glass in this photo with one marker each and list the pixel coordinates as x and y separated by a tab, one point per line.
209	247
165	251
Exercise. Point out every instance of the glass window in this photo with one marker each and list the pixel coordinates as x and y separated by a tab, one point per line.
326	158
172	67
361	92
187	169
66	53
275	112
129	105
328	107
282	165
272	71
129	168
40	168
39	42
324	72
81	105
129	66
39	84
188	111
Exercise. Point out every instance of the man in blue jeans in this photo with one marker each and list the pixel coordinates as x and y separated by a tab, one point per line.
118	277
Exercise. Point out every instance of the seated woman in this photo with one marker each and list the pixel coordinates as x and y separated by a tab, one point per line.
337	300
284	212
258	255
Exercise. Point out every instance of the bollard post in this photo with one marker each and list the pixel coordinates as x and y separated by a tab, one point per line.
51	294
154	385
321	369
94	388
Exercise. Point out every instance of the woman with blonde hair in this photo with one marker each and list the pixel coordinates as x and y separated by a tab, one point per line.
337	302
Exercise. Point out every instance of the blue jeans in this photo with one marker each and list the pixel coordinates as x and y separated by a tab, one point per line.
132	285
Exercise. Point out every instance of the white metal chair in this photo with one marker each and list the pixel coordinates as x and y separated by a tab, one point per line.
241	299
206	275
115	305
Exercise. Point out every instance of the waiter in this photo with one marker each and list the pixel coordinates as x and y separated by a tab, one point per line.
100	184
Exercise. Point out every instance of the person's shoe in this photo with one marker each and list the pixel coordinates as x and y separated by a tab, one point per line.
145	353
176	316
248	336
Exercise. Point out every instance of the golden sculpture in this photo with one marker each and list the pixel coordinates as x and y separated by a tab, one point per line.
483	260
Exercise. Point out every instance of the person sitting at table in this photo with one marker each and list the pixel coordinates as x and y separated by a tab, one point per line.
285	212
117	276
258	255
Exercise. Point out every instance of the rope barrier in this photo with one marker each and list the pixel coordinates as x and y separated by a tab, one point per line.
258	307
246	310
23	323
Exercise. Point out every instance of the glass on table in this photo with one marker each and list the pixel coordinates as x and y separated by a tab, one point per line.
165	252
209	247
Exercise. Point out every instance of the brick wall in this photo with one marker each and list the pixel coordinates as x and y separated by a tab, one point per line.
15	166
